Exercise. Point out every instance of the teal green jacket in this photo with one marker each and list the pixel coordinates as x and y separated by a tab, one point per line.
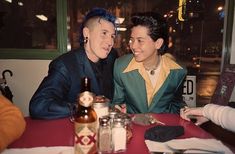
132	86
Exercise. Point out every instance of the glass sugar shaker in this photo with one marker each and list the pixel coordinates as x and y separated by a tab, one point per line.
101	107
118	135
104	135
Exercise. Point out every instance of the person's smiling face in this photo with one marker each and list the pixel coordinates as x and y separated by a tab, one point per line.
142	45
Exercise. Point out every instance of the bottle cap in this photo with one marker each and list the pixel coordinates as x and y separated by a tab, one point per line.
118	122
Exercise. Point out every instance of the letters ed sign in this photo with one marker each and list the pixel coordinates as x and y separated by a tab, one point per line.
189	91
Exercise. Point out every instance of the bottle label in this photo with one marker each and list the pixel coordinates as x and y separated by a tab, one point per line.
86	98
85	138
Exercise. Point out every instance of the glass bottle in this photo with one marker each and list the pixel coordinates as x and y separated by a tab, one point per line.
85	84
85	122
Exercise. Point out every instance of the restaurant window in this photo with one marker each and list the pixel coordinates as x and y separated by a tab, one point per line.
29	28
195	41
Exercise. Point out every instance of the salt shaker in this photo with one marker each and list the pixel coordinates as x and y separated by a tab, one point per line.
118	135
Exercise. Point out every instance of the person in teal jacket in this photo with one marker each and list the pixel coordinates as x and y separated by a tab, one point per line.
148	80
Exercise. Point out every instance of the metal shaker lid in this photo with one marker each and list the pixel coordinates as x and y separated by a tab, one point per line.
104	120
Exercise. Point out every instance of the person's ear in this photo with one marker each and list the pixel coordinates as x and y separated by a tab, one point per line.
158	43
86	32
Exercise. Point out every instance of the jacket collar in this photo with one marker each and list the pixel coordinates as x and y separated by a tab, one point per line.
167	64
86	68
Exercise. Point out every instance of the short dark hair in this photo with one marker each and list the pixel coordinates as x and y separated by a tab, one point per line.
156	24
96	13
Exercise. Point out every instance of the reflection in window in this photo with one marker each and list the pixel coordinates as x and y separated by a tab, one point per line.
196	42
28	24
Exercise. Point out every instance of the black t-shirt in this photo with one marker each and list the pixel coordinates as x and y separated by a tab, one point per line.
104	76
103	70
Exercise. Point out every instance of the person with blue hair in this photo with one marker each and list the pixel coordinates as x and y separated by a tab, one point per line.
94	59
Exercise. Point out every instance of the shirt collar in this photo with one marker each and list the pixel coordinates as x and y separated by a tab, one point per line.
167	62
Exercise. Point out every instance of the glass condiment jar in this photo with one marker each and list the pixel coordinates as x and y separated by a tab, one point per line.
101	107
104	135
112	115
118	135
128	125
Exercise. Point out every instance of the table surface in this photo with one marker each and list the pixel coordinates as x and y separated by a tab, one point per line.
60	132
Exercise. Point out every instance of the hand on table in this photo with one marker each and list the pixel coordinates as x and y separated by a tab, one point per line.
193	113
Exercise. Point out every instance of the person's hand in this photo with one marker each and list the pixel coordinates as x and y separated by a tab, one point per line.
193	113
121	108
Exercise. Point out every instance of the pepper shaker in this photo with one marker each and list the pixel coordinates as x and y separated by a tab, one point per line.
104	135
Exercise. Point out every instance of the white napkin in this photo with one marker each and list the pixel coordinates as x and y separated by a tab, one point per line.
207	144
41	150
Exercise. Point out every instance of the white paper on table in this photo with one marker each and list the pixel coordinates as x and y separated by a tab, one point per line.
207	144
41	150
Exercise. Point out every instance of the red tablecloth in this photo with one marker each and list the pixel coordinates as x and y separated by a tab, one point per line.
59	132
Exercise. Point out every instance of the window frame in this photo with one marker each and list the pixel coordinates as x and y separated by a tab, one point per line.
228	30
62	36
47	54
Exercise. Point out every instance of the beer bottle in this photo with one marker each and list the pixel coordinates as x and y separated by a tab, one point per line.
85	121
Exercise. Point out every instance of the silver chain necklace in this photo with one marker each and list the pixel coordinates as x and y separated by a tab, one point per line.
152	70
